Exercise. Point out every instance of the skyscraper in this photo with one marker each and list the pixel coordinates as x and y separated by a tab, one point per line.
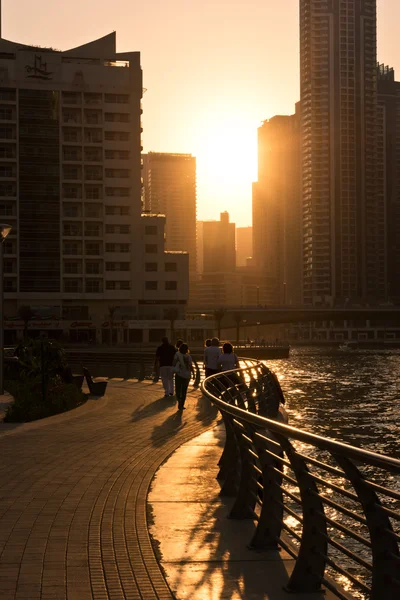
343	191
277	215
170	189
219	254
389	164
244	245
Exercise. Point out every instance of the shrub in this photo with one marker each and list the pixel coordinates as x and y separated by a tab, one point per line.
28	402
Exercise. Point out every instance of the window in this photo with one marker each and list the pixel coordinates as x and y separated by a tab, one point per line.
9	247
7	171
72	285
124	229
118	285
93	98
72	248
72	153
92	117
92	229
6	113
93	192
72	268
72	229
117	117
170	267
123	192
7	132
117	248
124	285
93	173
110	228
151	285
93	286
118	173
8	266
117	98
72	191
117	154
151	248
171	285
151	230
7	151
93	268
93	136
93	211
92	248
10	285
93	154
72	135
111	285
6	210
151	267
121	136
8	189
124	266
71	172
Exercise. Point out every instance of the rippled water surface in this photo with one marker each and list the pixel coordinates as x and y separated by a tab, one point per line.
351	396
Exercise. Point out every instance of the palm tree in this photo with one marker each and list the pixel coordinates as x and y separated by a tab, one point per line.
219	314
238	318
172	314
26	315
111	312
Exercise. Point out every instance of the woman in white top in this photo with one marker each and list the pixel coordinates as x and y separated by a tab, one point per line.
183	367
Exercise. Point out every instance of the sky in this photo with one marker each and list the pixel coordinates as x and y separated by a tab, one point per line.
213	71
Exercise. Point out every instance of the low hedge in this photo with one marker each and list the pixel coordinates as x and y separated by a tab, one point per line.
29	404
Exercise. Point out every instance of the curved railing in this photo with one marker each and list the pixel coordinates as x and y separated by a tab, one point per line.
333	507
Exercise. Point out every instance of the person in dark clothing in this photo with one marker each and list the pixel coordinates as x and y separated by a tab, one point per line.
183	365
164	359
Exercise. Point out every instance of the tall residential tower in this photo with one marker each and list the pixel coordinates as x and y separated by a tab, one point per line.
343	189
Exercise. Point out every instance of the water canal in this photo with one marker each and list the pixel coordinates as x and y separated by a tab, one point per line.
351	396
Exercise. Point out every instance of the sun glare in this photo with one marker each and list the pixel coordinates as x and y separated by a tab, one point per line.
226	151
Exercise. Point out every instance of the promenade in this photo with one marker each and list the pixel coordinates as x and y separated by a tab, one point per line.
76	519
73	521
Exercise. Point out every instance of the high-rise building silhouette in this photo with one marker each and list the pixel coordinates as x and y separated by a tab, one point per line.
244	245
389	164
343	190
277	214
170	189
219	253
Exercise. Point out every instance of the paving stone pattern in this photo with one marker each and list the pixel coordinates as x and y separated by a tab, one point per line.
73	491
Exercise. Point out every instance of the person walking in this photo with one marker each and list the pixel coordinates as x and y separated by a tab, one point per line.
183	367
228	359
164	360
211	356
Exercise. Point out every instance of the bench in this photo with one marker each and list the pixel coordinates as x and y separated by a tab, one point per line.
96	388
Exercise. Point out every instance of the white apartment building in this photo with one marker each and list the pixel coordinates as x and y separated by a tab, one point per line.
70	186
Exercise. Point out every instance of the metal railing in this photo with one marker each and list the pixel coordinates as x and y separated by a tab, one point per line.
333	507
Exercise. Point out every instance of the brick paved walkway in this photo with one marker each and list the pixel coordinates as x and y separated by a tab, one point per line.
73	491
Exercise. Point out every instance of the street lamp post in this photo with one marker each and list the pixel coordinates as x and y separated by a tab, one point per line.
4	231
258	331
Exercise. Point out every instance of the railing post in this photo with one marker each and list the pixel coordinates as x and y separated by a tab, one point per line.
269	525
385	550
246	498
230	466
311	560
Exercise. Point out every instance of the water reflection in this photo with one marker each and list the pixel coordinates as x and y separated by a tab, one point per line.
349	397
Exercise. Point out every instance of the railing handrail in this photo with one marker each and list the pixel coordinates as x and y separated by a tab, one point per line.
330	501
324	443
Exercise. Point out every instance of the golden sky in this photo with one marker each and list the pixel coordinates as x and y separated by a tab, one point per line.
213	69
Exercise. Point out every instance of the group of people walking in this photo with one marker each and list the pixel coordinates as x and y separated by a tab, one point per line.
176	360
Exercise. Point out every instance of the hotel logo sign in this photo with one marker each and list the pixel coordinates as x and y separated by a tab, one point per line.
38	70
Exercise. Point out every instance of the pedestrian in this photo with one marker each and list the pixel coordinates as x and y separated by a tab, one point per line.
183	367
228	359
178	344
211	356
163	361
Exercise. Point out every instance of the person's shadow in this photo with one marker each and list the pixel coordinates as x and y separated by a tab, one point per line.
148	410
171	426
